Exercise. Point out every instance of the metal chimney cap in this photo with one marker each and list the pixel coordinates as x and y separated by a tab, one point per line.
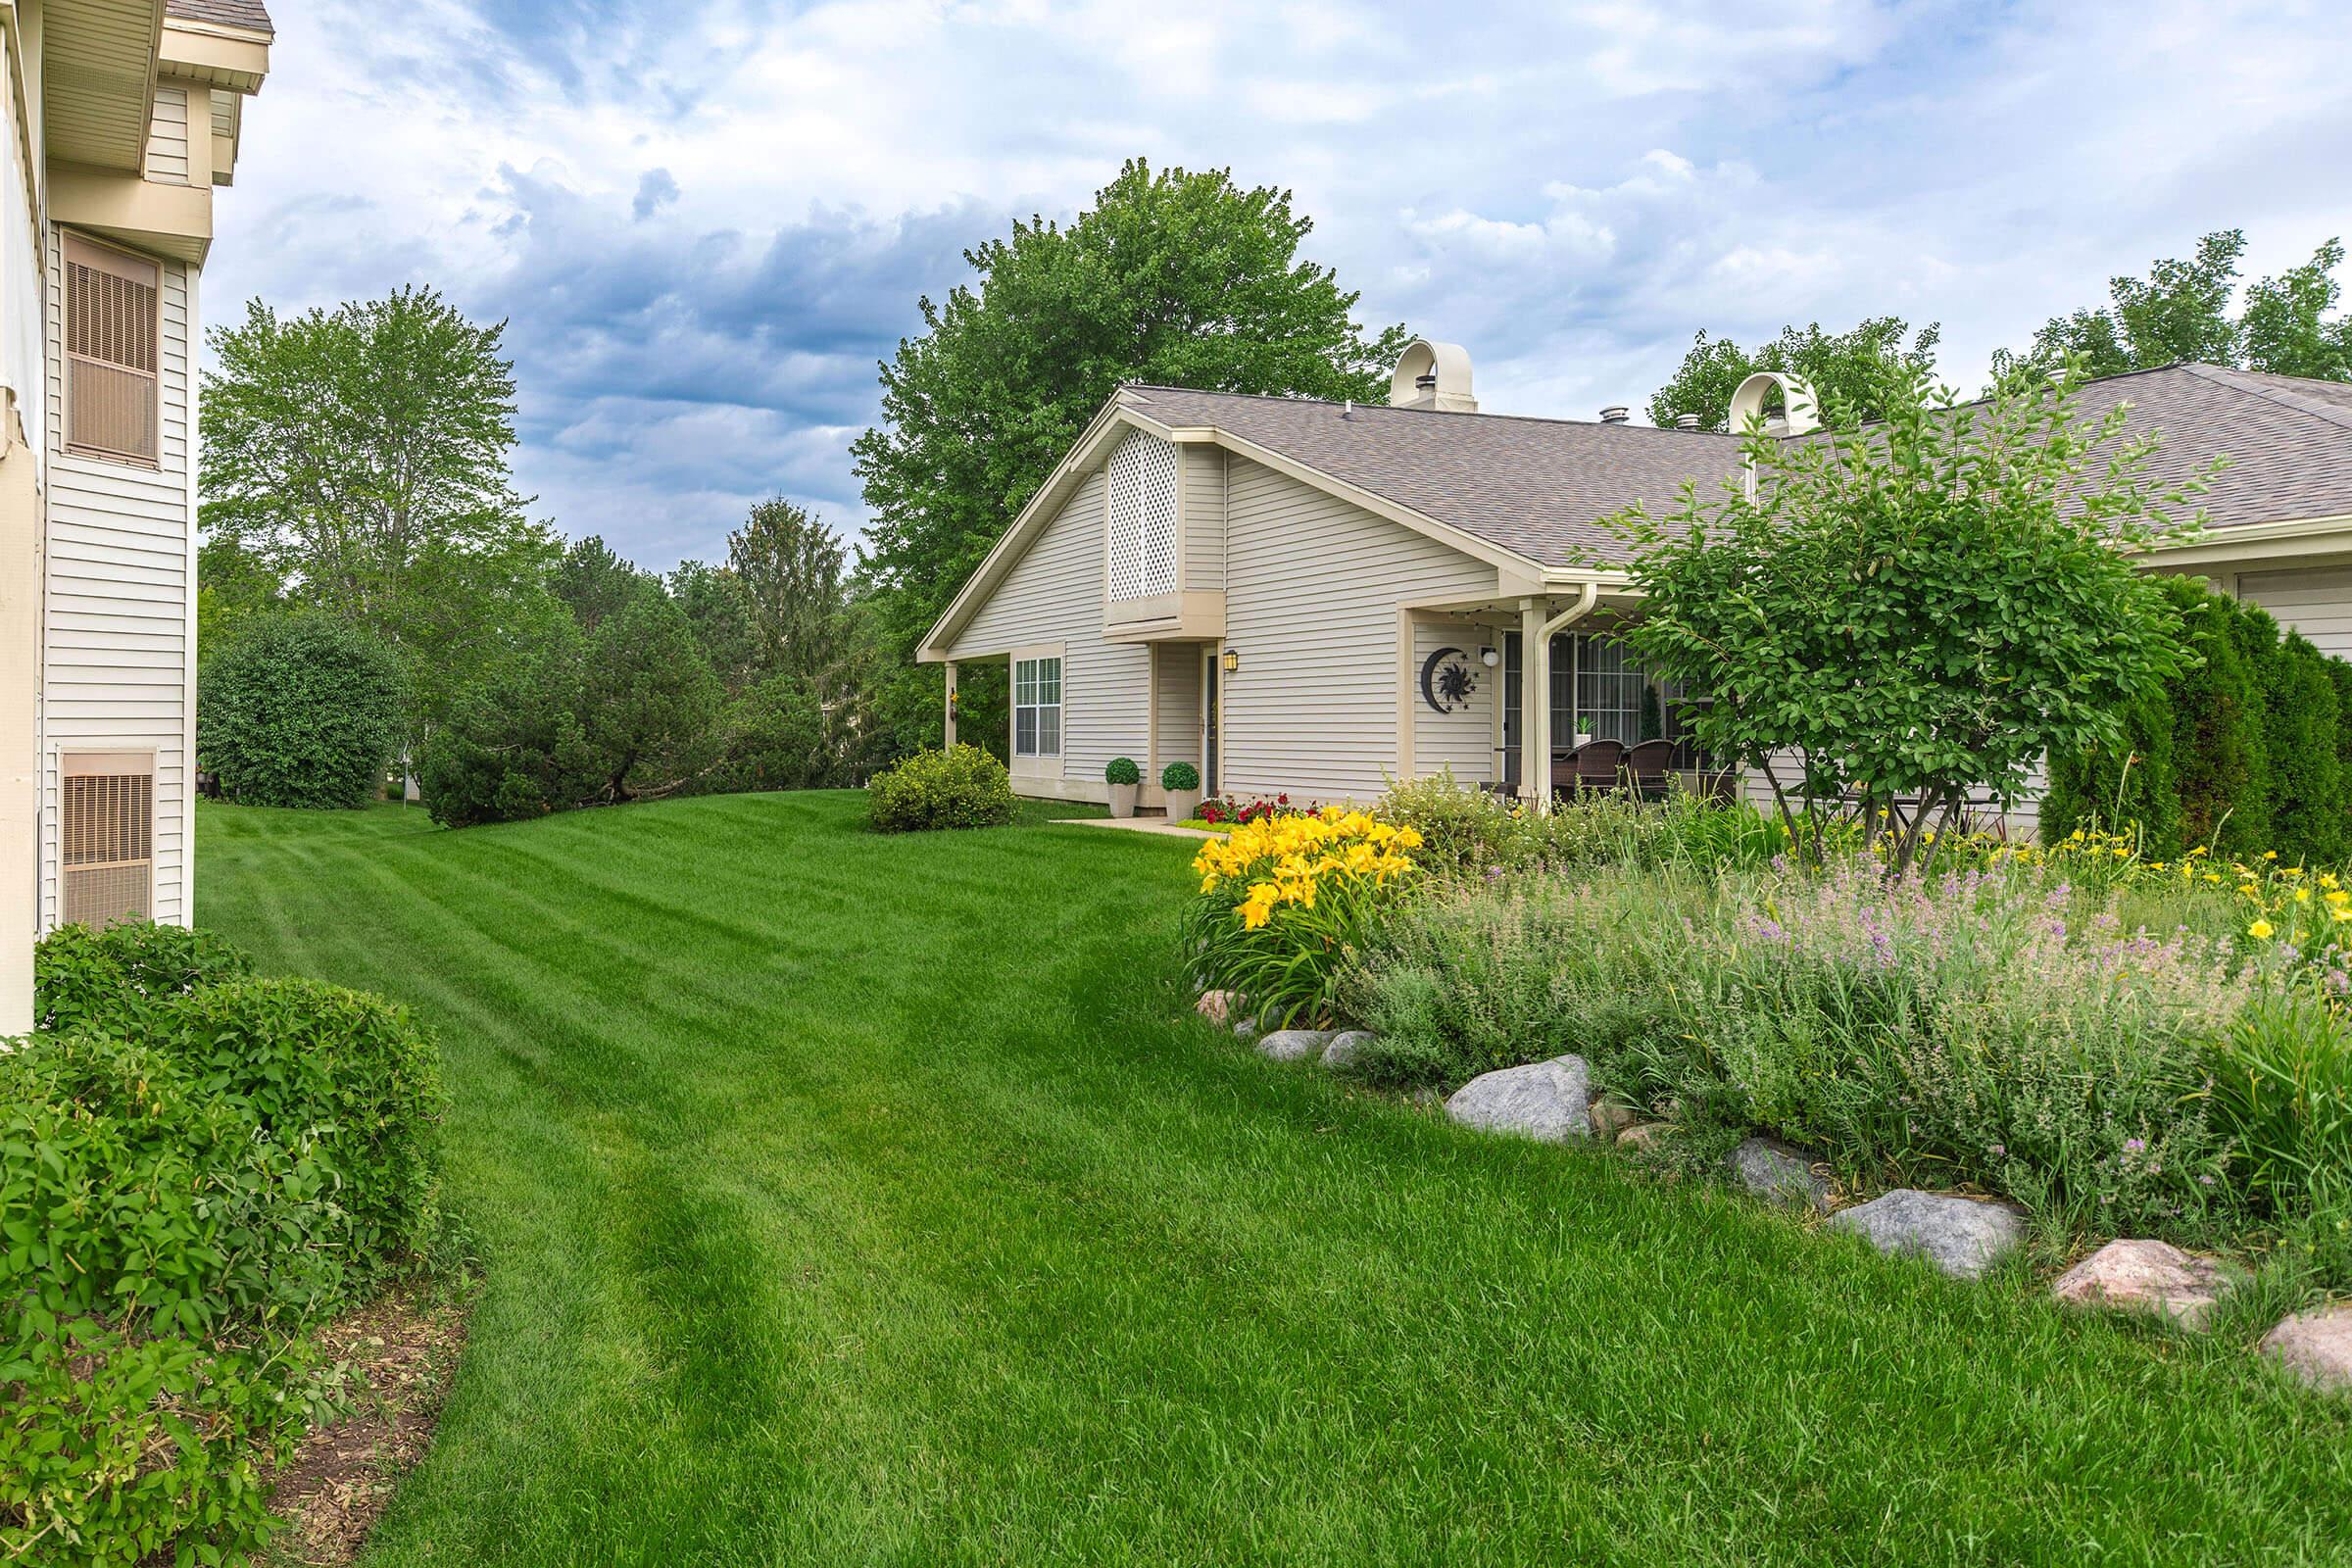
1615	413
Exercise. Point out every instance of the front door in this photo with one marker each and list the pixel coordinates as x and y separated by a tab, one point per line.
1209	722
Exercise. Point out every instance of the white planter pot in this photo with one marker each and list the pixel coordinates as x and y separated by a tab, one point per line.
1122	798
1182	804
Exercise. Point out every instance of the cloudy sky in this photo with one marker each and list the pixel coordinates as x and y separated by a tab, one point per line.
706	220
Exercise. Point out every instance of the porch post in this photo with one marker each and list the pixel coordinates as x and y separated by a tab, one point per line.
951	704
1535	706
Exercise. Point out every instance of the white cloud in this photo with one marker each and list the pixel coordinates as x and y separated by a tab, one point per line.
707	219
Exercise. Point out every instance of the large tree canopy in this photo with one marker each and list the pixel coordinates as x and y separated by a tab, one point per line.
359	455
1852	366
2181	310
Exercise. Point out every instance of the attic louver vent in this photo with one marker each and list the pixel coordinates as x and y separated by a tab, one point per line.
112	359
1142	517
107	824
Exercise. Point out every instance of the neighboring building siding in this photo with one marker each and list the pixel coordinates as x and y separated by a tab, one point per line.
1053	593
1463	741
167	137
2316	601
1204	517
1312	585
118	626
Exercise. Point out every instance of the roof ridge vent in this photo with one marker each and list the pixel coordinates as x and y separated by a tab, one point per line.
1433	375
1615	413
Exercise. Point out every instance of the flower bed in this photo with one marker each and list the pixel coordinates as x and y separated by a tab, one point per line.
2121	1044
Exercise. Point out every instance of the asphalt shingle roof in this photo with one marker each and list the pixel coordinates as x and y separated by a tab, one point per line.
227	13
1539	487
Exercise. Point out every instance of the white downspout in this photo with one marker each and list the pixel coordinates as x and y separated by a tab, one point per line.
1536	764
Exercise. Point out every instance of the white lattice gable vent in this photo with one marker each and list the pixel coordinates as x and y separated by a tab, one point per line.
1142	517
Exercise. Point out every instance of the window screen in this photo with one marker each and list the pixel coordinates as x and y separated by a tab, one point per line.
113	356
107	838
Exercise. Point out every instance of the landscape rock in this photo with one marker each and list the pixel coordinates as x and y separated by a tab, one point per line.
2316	1347
1549	1101
2144	1276
1610	1118
1644	1135
1961	1236
1246	1030
1218	1006
1346	1047
1294	1045
1774	1171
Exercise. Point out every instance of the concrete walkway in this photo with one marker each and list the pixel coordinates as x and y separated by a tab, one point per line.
1137	824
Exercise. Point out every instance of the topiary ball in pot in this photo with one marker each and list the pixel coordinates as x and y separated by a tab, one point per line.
1124	779
1181	782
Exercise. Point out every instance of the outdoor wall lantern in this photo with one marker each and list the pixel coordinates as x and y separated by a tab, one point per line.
1487	656
1232	661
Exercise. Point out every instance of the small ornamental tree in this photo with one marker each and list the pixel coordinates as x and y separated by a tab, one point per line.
1917	609
304	711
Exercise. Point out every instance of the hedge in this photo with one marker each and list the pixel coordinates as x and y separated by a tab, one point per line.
2247	750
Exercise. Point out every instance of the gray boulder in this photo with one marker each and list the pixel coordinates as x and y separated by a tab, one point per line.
1294	1045
1778	1173
1550	1102
1346	1047
1961	1236
2316	1347
1246	1030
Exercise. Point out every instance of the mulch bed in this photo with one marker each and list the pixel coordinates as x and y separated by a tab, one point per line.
402	1349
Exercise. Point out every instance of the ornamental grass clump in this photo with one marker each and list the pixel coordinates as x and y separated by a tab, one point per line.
1982	1026
1283	899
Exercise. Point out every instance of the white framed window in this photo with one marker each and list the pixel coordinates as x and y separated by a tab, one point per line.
1037	706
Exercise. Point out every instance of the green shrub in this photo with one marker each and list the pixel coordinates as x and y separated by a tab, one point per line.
778	737
956	788
120	981
118	1448
132	1192
304	1059
1180	776
1468	832
2302	733
1122	770
304	711
2134	787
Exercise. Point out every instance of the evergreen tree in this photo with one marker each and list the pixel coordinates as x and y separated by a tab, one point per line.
2303	734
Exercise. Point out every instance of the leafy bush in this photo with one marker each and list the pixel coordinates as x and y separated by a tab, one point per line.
134	1194
1283	899
1180	776
1122	770
306	1060
304	711
119	1448
120	981
959	787
144	1218
778	736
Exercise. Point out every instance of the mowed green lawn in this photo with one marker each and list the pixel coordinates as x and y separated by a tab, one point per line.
849	1200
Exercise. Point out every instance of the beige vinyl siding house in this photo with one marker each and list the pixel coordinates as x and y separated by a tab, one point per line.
128	120
1286	577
